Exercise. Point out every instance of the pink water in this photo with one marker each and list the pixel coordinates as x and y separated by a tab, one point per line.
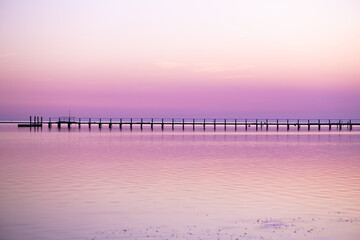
113	184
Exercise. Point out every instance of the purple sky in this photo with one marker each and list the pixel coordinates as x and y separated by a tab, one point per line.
230	58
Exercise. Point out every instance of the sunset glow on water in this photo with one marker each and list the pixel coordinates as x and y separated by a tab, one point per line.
82	184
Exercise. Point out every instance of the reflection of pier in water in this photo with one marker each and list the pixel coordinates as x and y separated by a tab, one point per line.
214	123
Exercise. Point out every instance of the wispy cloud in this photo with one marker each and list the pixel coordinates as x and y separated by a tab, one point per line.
8	54
219	68
168	65
240	76
207	67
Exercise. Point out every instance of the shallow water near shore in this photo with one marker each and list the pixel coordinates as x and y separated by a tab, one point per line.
121	184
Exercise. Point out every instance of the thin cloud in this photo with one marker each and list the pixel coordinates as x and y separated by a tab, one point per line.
9	54
217	68
168	65
241	76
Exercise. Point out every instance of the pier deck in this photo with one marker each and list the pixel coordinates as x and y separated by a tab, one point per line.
205	122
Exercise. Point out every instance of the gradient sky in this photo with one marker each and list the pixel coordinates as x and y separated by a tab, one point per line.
180	58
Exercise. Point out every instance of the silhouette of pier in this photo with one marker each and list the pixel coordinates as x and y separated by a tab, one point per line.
36	122
204	123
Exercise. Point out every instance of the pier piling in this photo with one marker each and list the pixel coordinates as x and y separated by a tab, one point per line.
287	125
267	125
350	125
298	125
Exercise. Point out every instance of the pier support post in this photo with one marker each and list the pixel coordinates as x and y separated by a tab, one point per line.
204	125
110	124
141	124
235	124
298	125
131	123
193	124
319	126
277	124
183	124
30	120
214	124
340	125
152	124
120	125
79	122
59	124
162	124
256	124
329	125
287	125
246	126
308	125
225	124
350	124
100	123
172	124
89	122
267	124
48	124
41	120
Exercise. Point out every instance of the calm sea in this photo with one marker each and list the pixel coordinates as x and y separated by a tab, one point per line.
113	184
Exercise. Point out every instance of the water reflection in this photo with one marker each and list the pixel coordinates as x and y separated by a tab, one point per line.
164	184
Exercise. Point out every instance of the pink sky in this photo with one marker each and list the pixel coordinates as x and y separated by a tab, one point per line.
180	58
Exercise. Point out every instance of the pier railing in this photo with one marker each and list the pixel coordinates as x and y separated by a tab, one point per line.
215	123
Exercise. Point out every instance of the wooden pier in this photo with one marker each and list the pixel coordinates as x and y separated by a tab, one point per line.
214	123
